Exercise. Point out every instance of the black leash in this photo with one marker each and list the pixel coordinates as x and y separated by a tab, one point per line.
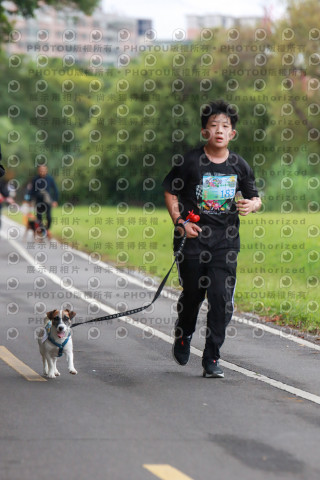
156	295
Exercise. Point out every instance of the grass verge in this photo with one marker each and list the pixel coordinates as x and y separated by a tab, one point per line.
277	267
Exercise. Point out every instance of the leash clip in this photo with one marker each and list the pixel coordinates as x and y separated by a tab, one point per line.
192	217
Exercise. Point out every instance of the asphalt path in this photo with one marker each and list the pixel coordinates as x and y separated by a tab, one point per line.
132	412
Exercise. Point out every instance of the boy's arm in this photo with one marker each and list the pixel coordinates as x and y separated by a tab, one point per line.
172	205
248	205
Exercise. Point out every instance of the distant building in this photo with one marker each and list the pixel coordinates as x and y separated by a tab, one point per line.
196	23
68	33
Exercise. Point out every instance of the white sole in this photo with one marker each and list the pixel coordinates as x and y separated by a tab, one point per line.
212	375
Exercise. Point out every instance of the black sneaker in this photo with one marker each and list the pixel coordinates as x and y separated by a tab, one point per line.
211	368
181	349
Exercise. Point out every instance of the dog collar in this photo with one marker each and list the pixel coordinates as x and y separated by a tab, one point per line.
59	345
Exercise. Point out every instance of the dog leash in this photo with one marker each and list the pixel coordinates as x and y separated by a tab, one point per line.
192	217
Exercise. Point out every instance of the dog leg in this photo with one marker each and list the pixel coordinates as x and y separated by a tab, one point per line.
71	368
45	365
56	371
51	365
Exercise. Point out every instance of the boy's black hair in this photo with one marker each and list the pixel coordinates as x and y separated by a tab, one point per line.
217	107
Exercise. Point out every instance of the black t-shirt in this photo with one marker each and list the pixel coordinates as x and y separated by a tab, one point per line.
208	189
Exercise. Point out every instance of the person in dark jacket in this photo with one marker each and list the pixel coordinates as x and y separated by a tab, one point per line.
45	194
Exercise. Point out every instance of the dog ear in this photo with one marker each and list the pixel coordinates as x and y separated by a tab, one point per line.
71	314
51	314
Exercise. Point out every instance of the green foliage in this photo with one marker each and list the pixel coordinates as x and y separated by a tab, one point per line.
296	85
290	186
143	133
113	135
27	8
159	118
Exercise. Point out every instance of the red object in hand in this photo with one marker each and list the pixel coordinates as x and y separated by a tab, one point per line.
193	217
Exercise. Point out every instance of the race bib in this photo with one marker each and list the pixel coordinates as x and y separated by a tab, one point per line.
217	193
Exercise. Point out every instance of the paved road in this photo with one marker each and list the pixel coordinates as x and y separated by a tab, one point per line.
132	412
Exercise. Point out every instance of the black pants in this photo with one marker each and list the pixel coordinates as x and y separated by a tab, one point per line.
42	209
213	274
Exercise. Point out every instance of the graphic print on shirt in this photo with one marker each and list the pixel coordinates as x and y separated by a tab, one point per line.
216	193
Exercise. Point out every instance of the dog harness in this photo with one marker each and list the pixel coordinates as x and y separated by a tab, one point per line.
59	345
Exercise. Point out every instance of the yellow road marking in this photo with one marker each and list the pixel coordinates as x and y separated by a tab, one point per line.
19	366
166	472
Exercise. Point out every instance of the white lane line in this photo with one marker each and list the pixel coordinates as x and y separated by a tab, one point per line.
282	333
275	331
150	331
172	296
127	276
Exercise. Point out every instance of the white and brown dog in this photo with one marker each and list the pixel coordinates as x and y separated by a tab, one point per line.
56	340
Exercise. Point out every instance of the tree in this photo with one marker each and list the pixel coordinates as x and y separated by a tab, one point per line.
296	87
28	7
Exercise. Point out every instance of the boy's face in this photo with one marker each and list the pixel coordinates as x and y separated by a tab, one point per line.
218	131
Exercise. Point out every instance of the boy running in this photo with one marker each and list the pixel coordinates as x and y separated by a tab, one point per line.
206	183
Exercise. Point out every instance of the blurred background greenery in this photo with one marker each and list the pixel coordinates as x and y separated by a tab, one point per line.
109	136
112	134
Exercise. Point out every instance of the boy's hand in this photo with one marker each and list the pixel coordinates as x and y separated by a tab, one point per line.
192	230
246	206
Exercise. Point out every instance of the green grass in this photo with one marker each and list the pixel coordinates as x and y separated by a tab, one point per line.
278	266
